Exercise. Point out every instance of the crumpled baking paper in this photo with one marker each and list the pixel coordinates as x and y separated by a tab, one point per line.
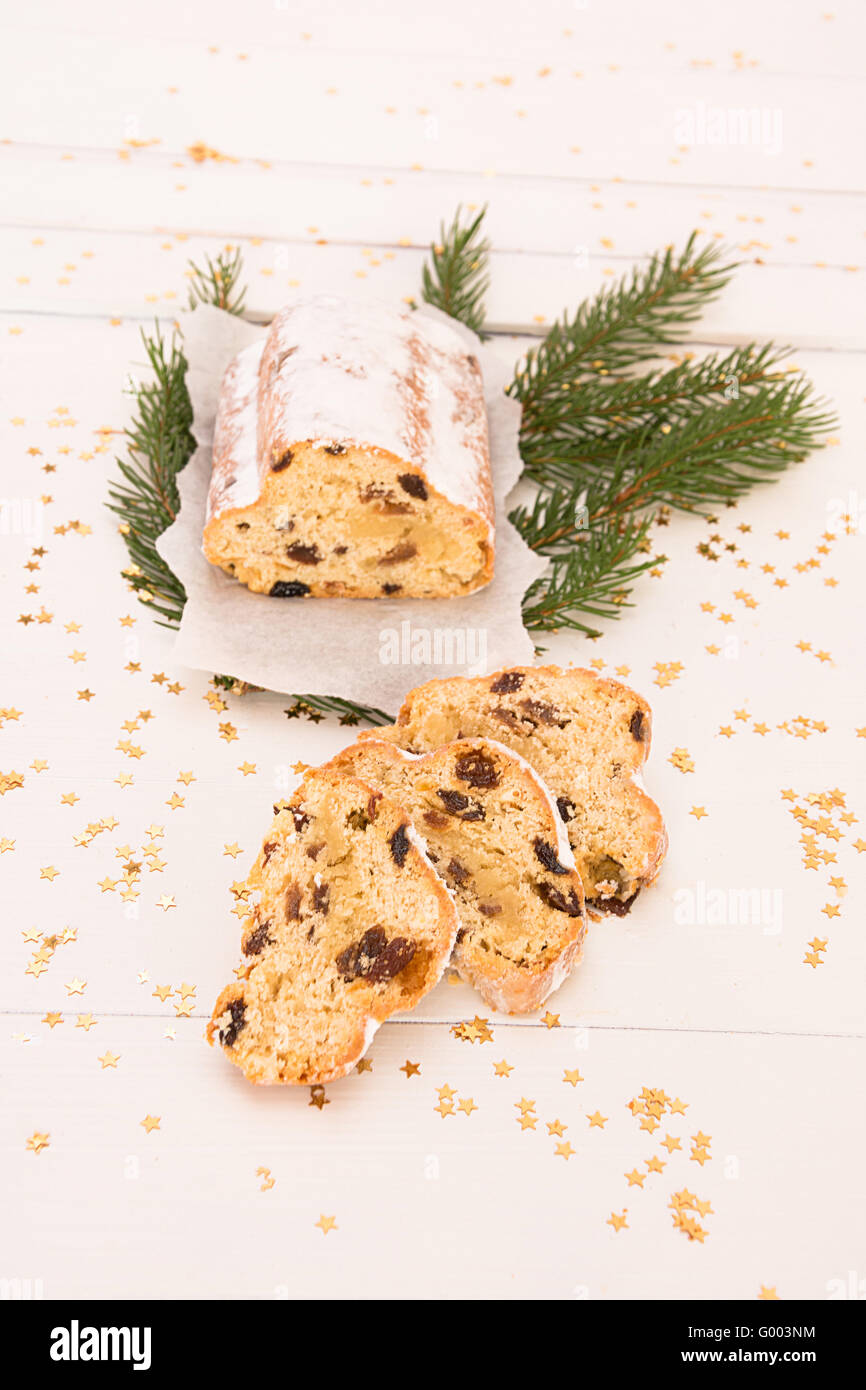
371	651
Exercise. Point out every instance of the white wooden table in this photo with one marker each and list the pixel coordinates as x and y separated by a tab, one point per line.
345	135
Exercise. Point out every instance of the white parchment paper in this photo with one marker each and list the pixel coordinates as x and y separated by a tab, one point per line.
367	650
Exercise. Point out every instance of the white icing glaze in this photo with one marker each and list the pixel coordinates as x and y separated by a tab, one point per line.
371	1028
235	476
364	373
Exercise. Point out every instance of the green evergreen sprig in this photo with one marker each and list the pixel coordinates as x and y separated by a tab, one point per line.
588	426
456	277
628	322
608	447
316	707
218	283
159	444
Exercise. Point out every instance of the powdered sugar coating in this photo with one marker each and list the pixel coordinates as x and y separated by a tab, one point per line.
335	372
235	476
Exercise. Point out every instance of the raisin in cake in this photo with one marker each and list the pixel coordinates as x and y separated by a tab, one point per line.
586	737
351	923
350	458
495	836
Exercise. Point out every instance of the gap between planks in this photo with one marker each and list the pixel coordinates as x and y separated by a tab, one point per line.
492	330
165	157
507	1022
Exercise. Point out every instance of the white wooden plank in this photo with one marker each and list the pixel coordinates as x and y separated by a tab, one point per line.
94	93
465	1206
141	276
779	35
373	206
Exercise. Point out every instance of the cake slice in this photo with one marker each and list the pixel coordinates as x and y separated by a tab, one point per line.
586	737
496	838
349	923
351	458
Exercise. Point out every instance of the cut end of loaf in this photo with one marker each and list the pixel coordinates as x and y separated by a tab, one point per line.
341	521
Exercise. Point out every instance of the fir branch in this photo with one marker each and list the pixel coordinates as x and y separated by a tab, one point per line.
610	448
706	459
315	707
595	577
594	410
456	280
651	308
159	445
217	283
593	554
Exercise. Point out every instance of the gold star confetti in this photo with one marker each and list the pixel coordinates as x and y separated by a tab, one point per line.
326	1224
37	1142
681	759
267	1180
150	1123
478	1030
